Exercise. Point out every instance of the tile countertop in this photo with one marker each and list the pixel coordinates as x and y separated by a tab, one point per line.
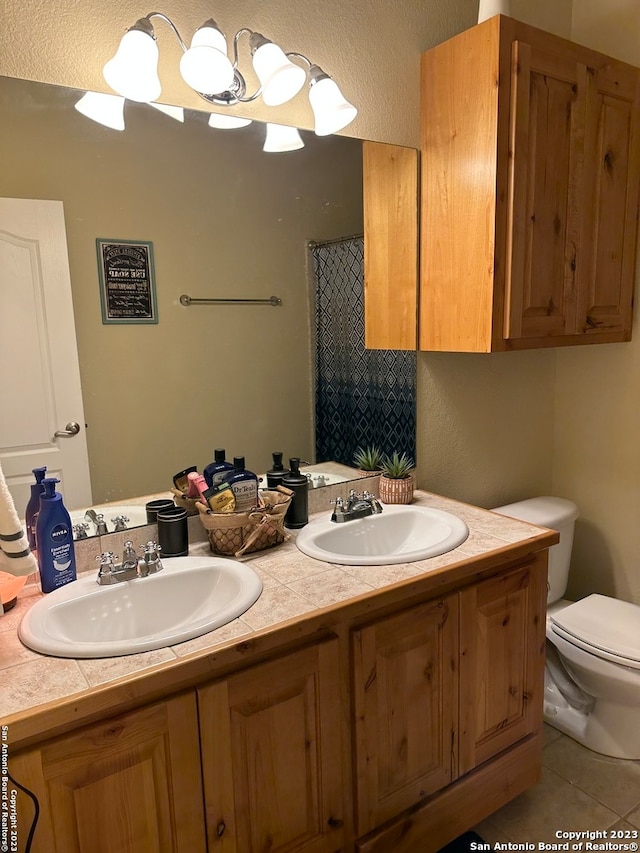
294	585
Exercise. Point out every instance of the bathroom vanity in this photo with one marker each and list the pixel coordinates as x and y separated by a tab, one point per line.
352	708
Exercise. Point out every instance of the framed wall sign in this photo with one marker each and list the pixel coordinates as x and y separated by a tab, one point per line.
127	281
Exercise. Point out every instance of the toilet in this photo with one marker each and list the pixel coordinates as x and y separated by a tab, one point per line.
592	672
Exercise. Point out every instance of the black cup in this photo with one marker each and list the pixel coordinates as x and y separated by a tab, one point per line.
153	508
173	532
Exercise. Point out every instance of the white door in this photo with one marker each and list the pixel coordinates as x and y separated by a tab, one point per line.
40	394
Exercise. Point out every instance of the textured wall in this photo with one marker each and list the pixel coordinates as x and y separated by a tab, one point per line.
597	425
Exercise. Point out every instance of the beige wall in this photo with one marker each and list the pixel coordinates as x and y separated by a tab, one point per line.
597	423
225	220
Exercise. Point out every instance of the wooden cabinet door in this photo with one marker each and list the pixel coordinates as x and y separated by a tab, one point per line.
130	784
502	638
405	705
611	185
545	192
573	196
272	758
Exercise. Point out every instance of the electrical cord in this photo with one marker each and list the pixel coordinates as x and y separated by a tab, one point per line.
36	816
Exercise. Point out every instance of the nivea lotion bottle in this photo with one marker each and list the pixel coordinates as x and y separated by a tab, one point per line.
54	538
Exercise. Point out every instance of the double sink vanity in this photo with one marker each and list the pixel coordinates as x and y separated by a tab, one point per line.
383	706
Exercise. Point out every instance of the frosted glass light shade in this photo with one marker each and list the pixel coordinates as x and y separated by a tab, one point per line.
279	137
133	70
205	66
330	109
279	77
176	113
105	109
222	122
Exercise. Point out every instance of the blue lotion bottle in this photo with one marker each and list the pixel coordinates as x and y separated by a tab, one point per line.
244	485
33	506
54	537
216	471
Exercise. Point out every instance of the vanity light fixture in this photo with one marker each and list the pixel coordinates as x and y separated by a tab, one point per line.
105	109
280	137
207	69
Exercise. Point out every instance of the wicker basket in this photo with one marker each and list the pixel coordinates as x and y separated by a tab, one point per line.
238	533
190	504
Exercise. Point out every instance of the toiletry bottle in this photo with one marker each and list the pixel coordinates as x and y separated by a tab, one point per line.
244	485
33	507
197	484
217	470
54	537
298	512
275	475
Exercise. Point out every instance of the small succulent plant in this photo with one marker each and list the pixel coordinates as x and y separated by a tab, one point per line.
397	467
369	459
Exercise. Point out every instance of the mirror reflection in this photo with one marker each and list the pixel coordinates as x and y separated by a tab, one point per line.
225	220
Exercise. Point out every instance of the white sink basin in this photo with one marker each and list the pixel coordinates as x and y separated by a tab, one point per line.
400	534
189	597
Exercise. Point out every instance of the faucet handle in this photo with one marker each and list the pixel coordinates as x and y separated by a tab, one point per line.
80	530
106	566
120	523
151	560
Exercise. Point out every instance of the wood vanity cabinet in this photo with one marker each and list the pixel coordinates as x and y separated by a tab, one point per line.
447	704
405	703
530	178
131	784
272	756
388	725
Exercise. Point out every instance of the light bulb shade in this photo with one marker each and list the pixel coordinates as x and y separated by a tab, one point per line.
279	137
222	122
105	109
205	66
133	71
330	109
279	78
176	113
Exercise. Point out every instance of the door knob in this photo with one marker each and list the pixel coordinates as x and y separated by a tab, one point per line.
72	428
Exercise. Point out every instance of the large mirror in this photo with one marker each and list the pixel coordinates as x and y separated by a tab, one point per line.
226	220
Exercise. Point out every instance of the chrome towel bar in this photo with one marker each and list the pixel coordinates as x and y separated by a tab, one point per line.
190	300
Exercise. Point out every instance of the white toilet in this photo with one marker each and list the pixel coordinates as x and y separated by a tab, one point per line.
592	675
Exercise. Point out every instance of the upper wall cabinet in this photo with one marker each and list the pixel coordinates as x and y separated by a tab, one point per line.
530	178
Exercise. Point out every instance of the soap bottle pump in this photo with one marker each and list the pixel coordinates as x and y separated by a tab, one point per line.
33	506
54	537
298	513
277	472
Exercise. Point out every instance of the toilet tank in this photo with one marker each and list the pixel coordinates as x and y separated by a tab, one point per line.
558	514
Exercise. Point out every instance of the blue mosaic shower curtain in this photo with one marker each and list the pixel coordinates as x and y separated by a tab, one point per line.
363	397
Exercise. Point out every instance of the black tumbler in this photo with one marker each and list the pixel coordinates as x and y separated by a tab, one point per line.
173	533
153	508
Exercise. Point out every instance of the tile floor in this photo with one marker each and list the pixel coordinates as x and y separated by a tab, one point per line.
579	790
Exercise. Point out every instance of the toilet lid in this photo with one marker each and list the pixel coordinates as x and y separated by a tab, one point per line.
603	625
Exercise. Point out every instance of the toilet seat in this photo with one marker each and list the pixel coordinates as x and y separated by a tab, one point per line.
604	626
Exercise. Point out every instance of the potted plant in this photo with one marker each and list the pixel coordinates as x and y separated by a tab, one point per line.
397	481
369	460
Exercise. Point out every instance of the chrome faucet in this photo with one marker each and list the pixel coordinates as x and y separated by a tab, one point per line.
131	565
119	523
357	505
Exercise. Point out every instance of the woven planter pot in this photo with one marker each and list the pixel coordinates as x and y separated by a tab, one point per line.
397	491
